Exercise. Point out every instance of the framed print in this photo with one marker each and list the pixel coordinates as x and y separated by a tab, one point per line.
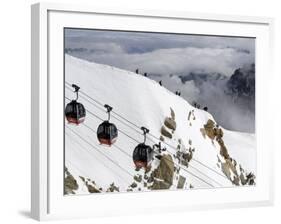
146	111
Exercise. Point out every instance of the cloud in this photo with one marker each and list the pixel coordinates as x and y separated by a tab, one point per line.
231	113
147	42
162	53
177	61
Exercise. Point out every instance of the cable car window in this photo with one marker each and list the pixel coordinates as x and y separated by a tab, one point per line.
112	130
144	153
100	129
67	109
107	130
81	109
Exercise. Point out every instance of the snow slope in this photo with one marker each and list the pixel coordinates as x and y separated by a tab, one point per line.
145	103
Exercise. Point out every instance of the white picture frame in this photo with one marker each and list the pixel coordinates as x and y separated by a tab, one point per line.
47	199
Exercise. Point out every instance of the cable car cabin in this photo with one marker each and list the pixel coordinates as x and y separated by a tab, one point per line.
75	112
142	155
107	133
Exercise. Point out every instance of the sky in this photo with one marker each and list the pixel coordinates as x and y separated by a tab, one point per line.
172	56
161	53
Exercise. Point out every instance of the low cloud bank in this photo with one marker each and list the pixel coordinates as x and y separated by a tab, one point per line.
230	110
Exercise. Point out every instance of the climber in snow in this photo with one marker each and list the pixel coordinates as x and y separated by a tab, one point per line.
196	105
160	82
137	71
178	93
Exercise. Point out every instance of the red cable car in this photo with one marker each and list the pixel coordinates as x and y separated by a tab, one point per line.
75	112
107	132
143	154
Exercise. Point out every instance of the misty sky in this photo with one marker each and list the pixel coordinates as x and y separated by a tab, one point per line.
176	54
161	53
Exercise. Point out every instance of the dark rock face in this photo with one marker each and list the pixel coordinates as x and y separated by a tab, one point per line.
242	82
199	78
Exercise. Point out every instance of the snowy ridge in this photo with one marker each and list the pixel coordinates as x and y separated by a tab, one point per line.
145	103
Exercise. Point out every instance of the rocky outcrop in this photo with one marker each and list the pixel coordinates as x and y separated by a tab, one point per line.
163	175
173	115
223	149
181	182
112	188
92	189
70	184
170	123
138	178
191	117
203	132
230	169
250	179
169	126
184	157
165	132
209	129
91	185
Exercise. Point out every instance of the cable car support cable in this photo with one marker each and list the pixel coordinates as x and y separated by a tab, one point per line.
148	138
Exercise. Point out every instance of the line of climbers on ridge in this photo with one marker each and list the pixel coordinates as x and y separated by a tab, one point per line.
198	106
178	93
145	75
